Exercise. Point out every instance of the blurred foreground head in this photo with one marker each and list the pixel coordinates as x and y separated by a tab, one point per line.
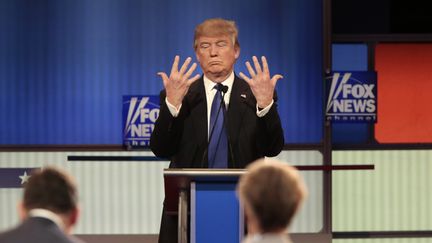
54	190
271	193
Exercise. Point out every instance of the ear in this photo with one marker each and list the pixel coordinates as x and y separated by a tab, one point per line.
237	51
22	211
74	215
197	56
251	221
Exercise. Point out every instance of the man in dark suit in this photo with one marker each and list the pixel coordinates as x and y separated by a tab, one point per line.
49	210
218	120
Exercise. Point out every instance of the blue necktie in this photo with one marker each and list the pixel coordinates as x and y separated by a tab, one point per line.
218	144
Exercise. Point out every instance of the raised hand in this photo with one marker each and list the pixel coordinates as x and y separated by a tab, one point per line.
179	81
260	83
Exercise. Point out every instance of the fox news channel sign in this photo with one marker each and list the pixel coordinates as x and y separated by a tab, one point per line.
352	97
139	116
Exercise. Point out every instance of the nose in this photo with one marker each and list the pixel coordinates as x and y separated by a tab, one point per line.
213	50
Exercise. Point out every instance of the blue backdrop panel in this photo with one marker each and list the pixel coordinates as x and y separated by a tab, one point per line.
64	65
349	57
217	213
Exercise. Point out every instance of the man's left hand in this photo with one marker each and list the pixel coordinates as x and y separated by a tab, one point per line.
260	83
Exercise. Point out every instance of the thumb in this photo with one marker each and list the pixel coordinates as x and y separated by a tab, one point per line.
164	77
275	78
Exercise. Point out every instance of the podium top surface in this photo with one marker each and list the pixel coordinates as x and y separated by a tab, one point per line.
195	173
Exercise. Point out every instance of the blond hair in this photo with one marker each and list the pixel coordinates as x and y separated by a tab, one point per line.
217	27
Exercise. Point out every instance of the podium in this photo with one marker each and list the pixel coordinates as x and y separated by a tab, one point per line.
215	214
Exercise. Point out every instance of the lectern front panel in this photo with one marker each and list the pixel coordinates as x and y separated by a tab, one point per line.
215	213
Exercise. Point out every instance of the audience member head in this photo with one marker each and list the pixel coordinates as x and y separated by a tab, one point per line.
53	190
271	192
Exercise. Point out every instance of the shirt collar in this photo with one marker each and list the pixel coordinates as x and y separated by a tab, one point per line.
268	237
43	213
208	84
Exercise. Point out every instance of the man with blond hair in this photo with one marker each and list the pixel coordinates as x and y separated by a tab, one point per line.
216	120
270	192
183	129
48	211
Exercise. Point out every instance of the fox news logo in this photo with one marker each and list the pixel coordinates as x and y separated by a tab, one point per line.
352	97
139	116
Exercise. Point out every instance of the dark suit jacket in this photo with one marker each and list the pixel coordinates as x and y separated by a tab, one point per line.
37	230
184	139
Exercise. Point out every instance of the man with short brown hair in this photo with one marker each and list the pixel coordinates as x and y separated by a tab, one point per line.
49	209
270	192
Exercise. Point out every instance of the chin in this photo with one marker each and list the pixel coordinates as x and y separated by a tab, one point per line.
216	70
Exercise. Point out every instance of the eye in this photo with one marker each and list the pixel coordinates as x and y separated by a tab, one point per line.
221	43
204	45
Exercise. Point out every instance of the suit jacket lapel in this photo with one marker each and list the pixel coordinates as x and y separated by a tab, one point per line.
239	100
198	108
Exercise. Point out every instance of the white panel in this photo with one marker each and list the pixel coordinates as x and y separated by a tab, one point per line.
395	196
122	197
9	199
393	240
125	197
310	217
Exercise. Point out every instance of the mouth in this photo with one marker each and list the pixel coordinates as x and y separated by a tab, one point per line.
212	63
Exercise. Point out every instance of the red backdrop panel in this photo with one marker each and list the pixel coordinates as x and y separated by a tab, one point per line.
404	93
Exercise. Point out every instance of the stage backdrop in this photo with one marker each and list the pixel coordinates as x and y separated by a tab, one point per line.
64	65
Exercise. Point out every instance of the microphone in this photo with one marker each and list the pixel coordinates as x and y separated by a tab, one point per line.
223	89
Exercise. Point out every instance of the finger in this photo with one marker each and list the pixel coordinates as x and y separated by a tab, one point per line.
192	80
247	79
174	67
250	69
275	78
185	65
257	65
265	66
190	71
164	77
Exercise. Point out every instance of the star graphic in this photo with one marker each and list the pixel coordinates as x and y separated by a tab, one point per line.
24	178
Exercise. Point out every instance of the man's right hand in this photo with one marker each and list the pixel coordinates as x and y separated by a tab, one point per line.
179	81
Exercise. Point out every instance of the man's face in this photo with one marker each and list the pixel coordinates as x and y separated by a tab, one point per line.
216	56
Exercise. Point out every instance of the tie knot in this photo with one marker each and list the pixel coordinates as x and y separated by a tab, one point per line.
221	88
